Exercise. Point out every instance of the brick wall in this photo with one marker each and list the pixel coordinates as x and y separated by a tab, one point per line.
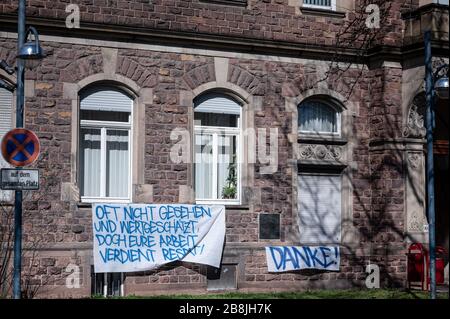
378	181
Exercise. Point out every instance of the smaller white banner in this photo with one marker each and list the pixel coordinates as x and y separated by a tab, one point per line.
287	258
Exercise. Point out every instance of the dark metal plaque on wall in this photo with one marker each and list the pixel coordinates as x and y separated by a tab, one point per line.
269	226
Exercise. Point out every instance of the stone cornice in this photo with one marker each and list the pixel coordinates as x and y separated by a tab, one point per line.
425	9
397	144
417	48
199	40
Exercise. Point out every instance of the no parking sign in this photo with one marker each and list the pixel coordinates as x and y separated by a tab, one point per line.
20	147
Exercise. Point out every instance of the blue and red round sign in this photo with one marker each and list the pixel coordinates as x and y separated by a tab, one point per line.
20	147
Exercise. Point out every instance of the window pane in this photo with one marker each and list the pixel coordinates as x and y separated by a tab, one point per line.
117	166
317	117
226	168
105	116
322	3
114	281
215	119
90	162
203	166
98	283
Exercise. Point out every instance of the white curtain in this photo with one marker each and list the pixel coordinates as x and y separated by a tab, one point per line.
90	161
203	166
317	117
117	158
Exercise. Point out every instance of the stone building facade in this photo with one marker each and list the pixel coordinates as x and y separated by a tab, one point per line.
270	57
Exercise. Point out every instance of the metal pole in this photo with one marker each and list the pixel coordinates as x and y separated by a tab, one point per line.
429	87
19	123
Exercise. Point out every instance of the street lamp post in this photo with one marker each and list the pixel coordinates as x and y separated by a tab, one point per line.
19	123
30	50
430	91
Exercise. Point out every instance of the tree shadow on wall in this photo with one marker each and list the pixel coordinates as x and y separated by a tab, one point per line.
379	220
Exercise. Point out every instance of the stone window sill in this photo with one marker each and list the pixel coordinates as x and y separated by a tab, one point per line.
227	207
237	207
331	140
323	12
321	166
84	205
240	3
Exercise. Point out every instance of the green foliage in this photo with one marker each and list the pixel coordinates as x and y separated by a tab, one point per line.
230	189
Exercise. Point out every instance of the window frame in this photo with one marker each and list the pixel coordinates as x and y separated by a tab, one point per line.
332	7
226	131
338	118
6	196
104	126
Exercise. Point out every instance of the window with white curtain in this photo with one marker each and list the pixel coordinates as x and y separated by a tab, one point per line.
319	208
6	99
320	4
318	117
319	190
105	145
217	148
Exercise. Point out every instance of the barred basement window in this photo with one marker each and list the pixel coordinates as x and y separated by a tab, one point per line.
106	284
223	278
320	4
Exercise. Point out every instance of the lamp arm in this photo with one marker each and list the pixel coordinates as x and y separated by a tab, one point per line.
33	31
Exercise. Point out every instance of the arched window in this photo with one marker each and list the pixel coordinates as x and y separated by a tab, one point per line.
217	143
319	187
105	143
318	117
